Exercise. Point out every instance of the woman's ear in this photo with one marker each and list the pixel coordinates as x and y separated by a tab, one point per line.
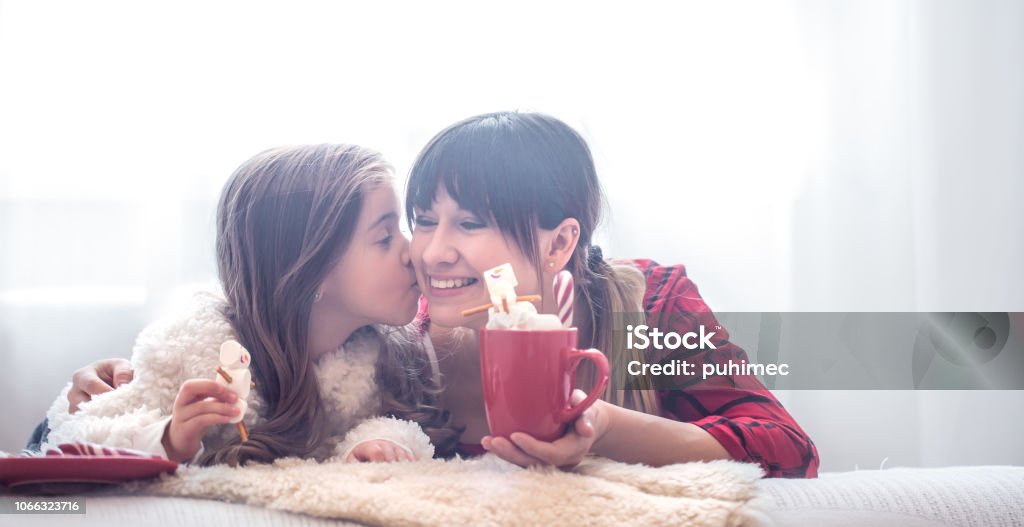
559	248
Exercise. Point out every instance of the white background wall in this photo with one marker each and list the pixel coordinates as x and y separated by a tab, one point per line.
805	156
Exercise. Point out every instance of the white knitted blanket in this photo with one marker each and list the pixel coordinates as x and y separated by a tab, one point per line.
484	491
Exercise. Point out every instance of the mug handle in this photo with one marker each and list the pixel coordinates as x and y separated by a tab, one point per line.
599	360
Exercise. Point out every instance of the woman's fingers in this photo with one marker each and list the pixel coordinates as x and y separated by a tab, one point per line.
93	385
99	377
584	424
578	396
85	383
566	450
83	390
75	398
122	372
508	451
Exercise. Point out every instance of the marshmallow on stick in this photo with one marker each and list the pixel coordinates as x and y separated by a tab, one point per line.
501	285
564	296
509	311
234	373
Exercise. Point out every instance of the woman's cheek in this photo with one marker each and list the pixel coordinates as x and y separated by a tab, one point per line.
416	255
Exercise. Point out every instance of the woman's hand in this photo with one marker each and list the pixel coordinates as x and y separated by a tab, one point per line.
378	450
564	452
200	404
99	377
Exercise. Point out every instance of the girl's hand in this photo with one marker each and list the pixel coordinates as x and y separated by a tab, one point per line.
564	452
201	404
378	450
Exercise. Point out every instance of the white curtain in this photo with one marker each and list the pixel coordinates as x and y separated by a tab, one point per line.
916	202
806	156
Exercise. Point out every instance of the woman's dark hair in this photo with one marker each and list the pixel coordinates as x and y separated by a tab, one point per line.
525	171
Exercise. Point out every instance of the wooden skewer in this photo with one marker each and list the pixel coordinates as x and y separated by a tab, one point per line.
242	430
480	309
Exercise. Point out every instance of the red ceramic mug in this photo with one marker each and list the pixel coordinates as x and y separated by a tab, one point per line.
528	377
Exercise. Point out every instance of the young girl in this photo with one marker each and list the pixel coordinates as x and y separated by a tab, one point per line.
522	188
311	261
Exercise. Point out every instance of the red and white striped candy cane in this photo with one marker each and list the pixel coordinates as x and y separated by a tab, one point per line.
564	297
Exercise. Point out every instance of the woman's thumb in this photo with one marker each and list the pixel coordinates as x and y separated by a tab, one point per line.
123	374
578	396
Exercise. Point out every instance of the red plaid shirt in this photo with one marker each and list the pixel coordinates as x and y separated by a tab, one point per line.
739	412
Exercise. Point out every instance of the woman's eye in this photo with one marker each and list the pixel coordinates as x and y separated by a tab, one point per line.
471	225
425	222
386	242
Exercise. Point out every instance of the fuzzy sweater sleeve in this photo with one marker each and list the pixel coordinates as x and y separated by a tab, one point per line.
166	354
405	434
350	392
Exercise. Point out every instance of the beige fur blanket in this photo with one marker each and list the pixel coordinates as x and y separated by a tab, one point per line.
484	491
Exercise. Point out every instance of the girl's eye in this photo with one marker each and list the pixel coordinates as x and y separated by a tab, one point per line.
424	222
386	242
471	225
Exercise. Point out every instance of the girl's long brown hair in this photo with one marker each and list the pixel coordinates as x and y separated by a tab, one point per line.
283	220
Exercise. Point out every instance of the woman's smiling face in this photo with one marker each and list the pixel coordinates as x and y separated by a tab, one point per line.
450	250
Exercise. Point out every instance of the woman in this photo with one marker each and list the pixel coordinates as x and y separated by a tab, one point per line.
522	188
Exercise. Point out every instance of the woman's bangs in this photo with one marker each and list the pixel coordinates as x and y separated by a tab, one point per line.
486	167
466	175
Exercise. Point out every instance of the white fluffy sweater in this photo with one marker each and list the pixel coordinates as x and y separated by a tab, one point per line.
186	346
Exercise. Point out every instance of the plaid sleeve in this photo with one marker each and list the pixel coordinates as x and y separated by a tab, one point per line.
738	411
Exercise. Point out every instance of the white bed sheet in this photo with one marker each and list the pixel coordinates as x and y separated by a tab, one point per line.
904	497
139	511
990	496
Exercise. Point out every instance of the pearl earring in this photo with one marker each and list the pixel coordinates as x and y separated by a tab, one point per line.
551	264
318	296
